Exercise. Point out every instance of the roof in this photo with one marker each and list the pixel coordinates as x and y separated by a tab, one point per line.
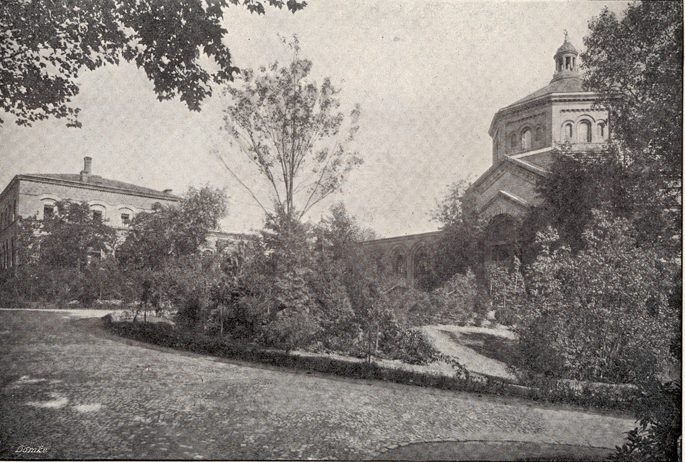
572	84
506	160
97	182
566	47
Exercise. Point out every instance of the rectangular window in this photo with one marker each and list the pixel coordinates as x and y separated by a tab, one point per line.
125	219
97	216
48	211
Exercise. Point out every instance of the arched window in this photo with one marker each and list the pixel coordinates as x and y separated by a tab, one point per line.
601	130
526	139
514	141
422	267
125	216
399	263
585	132
539	135
99	212
568	132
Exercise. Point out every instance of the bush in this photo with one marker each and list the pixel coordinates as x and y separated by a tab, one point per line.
602	314
659	415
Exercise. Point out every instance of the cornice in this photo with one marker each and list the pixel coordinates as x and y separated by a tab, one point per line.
95	187
549	98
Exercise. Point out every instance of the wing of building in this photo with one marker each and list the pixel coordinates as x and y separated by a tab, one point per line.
524	135
35	195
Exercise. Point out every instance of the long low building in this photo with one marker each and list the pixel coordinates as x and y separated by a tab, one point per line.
115	202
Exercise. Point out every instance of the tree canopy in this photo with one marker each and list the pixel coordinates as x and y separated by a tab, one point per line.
67	238
635	64
45	44
173	231
292	131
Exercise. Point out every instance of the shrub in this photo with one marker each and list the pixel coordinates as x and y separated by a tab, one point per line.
601	314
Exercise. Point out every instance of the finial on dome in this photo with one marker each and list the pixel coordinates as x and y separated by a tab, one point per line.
565	60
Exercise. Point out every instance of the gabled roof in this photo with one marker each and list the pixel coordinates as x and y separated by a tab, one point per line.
507	196
503	162
97	182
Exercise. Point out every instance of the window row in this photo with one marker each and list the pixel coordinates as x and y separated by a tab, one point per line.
584	132
8	214
8	254
527	138
122	218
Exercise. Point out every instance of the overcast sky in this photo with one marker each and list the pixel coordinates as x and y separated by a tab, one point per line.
429	77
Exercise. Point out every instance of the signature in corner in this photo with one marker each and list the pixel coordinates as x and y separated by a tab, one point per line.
32	450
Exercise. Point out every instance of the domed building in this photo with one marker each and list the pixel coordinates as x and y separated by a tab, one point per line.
524	134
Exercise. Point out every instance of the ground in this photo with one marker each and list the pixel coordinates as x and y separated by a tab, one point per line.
68	386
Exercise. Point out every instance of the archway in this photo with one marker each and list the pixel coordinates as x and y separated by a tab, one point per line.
501	238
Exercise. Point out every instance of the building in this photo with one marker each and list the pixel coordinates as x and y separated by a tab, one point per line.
113	201
524	135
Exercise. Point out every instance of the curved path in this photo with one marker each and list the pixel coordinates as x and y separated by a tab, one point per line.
69	387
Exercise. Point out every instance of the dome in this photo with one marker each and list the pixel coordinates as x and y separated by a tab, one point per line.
566	47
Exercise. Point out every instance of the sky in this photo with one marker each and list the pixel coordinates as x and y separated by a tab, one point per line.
428	75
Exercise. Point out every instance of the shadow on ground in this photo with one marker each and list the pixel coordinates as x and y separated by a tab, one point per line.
488	450
488	345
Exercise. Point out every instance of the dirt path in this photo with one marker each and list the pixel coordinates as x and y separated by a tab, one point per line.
70	388
443	339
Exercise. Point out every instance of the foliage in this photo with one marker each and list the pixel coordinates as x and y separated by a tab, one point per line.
45	44
458	248
292	132
70	237
602	314
172	231
635	63
507	292
660	425
62	257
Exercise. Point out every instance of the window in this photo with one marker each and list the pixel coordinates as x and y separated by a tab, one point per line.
526	139
601	129
514	141
97	216
125	219
539	135
48	210
568	132
585	132
399	264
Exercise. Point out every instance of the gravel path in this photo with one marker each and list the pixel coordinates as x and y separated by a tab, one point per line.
70	388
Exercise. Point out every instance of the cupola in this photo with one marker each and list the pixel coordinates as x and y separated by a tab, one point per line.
565	59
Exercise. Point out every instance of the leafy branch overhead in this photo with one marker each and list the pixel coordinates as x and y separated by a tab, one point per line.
45	44
293	132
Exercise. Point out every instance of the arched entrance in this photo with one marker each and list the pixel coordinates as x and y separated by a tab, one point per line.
421	266
501	238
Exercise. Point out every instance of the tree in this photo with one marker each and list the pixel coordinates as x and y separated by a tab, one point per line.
340	233
457	249
59	256
173	231
45	44
72	236
635	64
292	132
